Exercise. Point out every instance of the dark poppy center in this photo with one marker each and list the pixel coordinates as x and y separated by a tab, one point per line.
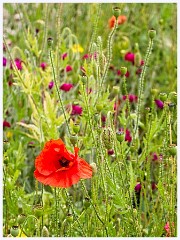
64	162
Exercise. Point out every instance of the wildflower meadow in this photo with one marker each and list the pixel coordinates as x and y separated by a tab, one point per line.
90	119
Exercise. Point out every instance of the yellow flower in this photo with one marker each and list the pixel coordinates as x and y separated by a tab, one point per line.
9	134
77	48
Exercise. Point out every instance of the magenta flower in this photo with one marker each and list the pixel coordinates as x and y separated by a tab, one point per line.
159	103
68	68
51	85
4	62
132	98
64	55
129	57
137	187
76	110
66	87
110	152
128	136
18	63
6	124
43	65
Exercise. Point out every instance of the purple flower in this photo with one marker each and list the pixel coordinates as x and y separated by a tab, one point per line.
68	68
4	62
6	124
51	85
18	63
64	55
76	110
66	87
137	187
159	103
43	65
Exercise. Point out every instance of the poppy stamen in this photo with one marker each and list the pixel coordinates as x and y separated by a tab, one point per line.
64	162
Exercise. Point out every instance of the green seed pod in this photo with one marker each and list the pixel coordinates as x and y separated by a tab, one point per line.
38	210
69	218
76	128
21	218
173	97
163	96
108	138
14	231
123	70
50	42
86	202
120	136
116	12
152	34
172	149
73	139
137	59
45	232
94	168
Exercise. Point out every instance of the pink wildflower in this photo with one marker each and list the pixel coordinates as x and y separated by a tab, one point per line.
43	65
76	110
66	87
68	68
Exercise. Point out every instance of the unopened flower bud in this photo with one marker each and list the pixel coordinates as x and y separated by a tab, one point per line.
115	90
45	232
14	231
94	168
120	136
21	218
123	70
50	42
173	97
69	218
84	79
154	92
108	138
152	34
86	202
137	59
73	139
116	12
99	107
38	210
76	128
163	96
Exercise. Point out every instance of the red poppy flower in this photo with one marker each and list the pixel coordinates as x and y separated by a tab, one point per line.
57	167
121	20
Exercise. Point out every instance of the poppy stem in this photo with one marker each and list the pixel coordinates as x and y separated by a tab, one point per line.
57	89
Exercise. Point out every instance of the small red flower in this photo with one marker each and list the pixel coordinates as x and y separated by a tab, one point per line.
76	110
6	124
121	20
129	57
57	167
66	87
64	55
18	63
43	65
68	68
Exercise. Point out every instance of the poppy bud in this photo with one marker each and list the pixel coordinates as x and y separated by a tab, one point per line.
86	202
38	210
21	218
173	97
45	232
152	34
50	42
120	136
108	137
69	218
94	168
76	128
84	79
115	90
137	59
163	96
14	231
73	139
123	70
116	12
99	107
172	149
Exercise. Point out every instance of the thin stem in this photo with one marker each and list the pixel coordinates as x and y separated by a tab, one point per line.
57	89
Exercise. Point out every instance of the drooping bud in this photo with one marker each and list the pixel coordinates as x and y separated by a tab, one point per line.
94	168
21	218
108	138
14	231
45	232
152	34
38	210
123	70
116	12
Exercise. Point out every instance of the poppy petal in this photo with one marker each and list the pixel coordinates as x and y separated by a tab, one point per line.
85	169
